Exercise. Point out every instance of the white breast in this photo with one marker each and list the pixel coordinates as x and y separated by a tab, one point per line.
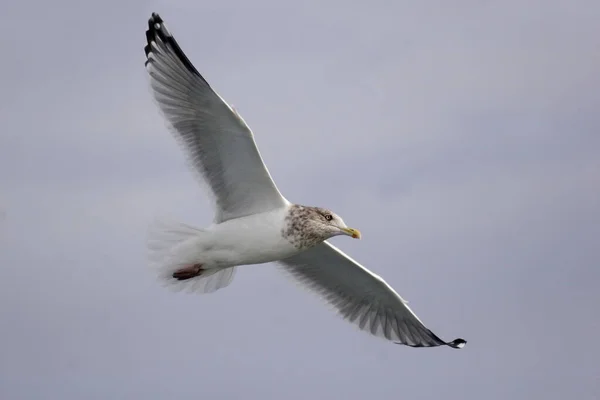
254	239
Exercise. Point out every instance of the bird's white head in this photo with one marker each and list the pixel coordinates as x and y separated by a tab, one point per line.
307	226
331	224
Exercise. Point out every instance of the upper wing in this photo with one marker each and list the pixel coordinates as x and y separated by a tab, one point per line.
361	297
216	139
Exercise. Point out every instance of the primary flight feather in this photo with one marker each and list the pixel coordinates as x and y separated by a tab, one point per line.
253	222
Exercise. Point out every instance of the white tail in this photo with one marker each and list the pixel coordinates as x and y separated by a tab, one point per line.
172	246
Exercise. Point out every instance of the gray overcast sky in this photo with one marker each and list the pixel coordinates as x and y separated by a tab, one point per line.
460	137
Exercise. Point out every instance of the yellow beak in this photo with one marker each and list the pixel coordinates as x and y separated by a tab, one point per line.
355	233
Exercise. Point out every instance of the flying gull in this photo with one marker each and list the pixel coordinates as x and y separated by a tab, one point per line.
253	222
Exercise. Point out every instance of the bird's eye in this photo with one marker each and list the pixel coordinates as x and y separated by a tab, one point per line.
328	217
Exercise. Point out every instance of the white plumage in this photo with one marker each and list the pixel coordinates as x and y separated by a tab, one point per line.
253	222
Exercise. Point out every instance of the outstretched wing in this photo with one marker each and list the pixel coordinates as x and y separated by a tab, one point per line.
360	296
217	141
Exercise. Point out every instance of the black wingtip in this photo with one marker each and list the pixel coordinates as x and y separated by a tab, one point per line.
155	24
157	29
457	343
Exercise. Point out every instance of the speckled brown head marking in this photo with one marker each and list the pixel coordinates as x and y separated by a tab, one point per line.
305	226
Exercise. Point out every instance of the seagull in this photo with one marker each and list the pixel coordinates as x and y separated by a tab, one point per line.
253	222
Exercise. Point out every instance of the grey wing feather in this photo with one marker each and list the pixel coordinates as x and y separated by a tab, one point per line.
360	296
218	143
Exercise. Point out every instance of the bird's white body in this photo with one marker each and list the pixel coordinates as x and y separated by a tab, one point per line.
217	249
254	239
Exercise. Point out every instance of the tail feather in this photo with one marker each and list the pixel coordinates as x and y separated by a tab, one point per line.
175	252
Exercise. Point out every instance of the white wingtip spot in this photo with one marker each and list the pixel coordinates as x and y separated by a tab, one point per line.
458	343
157	26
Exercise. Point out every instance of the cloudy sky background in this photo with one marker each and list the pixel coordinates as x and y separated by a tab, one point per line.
461	138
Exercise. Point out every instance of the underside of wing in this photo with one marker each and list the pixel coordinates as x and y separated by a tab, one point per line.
217	141
360	296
